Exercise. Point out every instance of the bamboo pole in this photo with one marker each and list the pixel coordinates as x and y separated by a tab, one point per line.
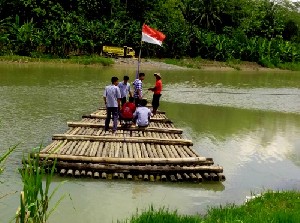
62	172
89	174
134	150
131	128
199	177
146	169
163	120
129	148
149	151
117	139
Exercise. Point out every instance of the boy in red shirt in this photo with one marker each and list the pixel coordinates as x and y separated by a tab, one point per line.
127	110
156	92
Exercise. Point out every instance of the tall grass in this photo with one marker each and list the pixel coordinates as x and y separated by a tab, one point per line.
36	195
275	207
4	156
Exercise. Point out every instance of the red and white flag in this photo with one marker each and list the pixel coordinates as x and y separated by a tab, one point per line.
150	35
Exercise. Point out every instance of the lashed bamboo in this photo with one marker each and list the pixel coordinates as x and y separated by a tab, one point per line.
179	178
77	173
149	150
193	176
96	175
146	177
140	168
153	119
70	172
115	175
131	128
129	149
151	178
117	149
63	172
144	151
170	151
100	149
221	177
69	150
165	152
125	151
121	175
186	176
188	151
117	139
173	178
49	146
199	177
134	150
154	152
174	151
138	149
83	173
159	151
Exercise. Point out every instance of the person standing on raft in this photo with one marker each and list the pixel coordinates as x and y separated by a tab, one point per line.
112	99
156	92
138	89
124	89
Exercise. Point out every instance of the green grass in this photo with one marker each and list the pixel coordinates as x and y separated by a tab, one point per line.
84	60
36	195
275	207
289	66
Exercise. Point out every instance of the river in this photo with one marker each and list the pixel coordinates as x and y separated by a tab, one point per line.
248	122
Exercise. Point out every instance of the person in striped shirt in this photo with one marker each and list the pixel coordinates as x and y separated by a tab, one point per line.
138	89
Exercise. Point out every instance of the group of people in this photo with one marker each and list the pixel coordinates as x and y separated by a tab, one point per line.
134	110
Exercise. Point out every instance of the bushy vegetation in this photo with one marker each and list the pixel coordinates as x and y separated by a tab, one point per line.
261	31
276	207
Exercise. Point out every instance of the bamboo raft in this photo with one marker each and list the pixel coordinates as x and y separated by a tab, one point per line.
156	153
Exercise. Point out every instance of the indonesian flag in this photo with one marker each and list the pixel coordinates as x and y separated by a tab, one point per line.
150	35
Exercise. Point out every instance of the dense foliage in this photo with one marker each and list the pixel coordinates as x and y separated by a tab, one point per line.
254	30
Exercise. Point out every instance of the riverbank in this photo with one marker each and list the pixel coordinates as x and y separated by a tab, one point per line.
270	207
146	64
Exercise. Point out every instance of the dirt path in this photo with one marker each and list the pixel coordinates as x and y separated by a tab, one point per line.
204	65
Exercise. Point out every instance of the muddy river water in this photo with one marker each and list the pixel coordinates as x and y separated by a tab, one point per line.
248	122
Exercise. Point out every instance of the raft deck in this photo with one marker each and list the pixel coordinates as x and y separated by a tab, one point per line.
155	153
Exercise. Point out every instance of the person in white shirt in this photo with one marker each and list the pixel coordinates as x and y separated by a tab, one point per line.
142	114
112	98
124	89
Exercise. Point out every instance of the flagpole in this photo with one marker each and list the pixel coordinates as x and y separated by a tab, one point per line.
139	61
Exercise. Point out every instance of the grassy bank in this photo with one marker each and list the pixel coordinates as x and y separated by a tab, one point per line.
84	60
275	207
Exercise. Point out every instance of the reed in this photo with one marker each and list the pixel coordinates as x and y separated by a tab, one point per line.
4	157
36	194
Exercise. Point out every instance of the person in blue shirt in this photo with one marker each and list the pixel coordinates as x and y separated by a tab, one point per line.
112	98
124	89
